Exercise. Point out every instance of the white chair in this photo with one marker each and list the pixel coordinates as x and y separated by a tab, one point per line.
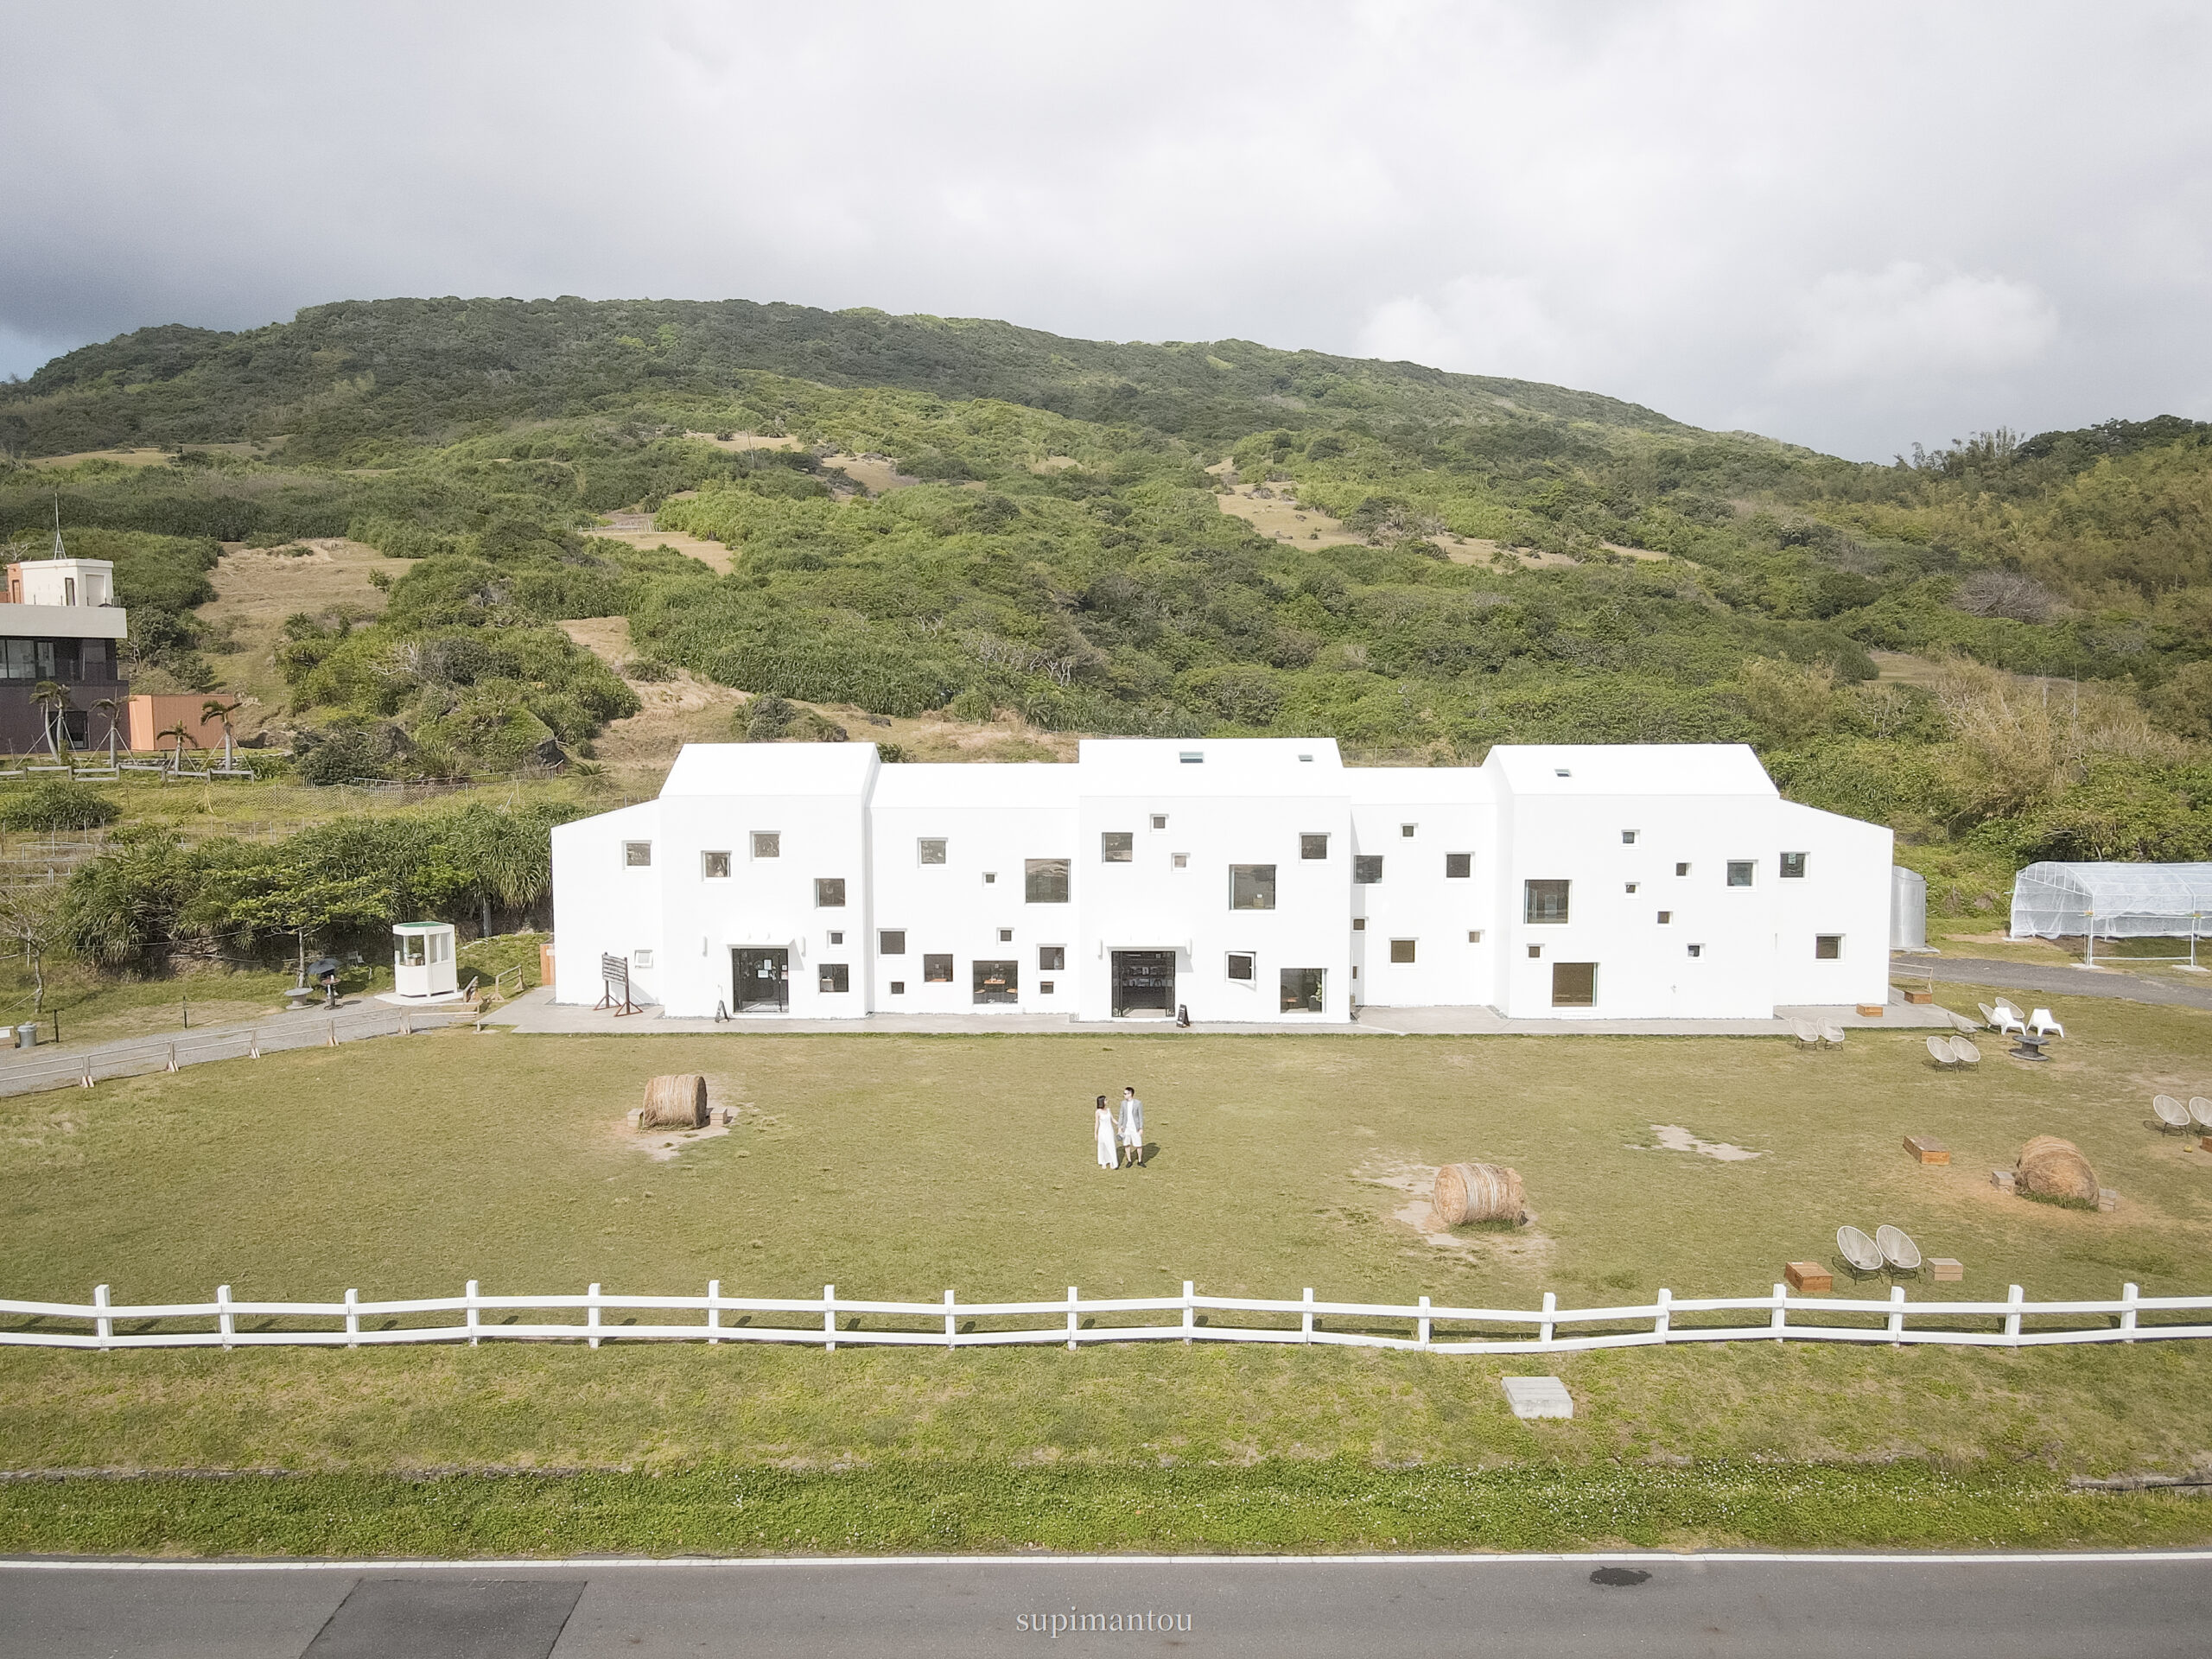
2044	1025
1860	1252
1807	1035
1939	1050
1962	1025
2172	1113
1901	1255
1988	1015
1965	1053
2008	1019
1832	1035
2201	1109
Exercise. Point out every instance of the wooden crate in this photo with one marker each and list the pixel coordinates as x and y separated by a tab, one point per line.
1808	1276
2001	1179
1927	1150
1919	999
1946	1270
1870	1010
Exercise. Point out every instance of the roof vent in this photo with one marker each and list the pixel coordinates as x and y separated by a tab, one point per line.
1307	758
1193	757
1561	771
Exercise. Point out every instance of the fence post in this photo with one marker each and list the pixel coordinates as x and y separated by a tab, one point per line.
406	1023
1551	1306
1423	1329
330	1038
1664	1323
2013	1319
829	1318
1896	1319
469	1301
85	1081
1781	1311
2128	1294
713	1314
223	1317
104	1325
1071	1309
591	1316
1190	1311
948	1322
253	1044
172	1057
352	1318
1306	1319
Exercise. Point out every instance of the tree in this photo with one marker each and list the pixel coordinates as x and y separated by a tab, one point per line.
289	895
216	709
182	733
32	919
52	698
110	707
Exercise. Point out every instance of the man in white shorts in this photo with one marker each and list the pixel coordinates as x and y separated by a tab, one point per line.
1132	1126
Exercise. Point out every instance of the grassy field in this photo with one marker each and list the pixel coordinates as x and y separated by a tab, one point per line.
896	1167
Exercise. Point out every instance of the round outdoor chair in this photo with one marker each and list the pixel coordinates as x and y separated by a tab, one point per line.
1898	1250
1939	1050
1863	1254
2201	1109
1965	1052
2172	1113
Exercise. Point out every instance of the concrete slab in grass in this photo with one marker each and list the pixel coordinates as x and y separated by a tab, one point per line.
1538	1397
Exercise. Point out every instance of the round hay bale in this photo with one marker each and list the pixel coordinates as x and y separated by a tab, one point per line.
2052	1168
677	1102
1468	1192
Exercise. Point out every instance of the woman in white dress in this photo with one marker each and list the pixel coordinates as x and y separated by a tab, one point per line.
1103	1132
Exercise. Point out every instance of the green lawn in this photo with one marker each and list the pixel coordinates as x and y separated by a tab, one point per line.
896	1167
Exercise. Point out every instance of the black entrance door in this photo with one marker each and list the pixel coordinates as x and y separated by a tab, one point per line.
1144	983
762	979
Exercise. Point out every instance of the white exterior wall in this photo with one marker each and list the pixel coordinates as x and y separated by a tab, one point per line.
841	814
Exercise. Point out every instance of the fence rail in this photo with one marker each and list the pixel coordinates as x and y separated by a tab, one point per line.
28	1072
1352	1325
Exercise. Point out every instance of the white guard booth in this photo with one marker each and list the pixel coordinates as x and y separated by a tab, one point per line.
422	960
2114	902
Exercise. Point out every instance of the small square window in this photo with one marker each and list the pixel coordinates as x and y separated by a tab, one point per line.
1402	949
768	843
1631	887
714	867
641	958
636	854
1312	846
829	893
1367	869
1458	867
1628	837
1359	923
929	849
1006	935
1051	958
1180	861
1407	830
1474	936
1666	916
990	878
836	939
937	969
1192	758
1793	866
1240	966
1044	988
1739	872
834	976
1535	950
1681	869
897	987
1828	947
1117	847
1697	949
891	942
1159	820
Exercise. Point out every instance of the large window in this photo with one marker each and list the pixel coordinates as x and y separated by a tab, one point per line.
937	969
1458	867
1828	947
768	843
929	849
1367	869
1574	984
1739	872
1301	989
1051	959
1240	966
714	867
1544	901
1793	866
1402	949
1312	846
891	942
829	893
998	981
834	976
636	854
1117	847
1251	886
1044	881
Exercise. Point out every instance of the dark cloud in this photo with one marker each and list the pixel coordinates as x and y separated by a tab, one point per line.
1852	227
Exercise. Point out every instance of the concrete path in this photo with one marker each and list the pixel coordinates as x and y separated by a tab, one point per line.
2146	1605
2052	980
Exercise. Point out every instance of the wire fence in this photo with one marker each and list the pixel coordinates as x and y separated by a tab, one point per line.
830	1321
25	1072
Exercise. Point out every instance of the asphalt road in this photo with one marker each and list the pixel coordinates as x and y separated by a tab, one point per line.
2054	979
1774	1607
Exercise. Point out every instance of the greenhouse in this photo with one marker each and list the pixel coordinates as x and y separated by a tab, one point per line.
2113	902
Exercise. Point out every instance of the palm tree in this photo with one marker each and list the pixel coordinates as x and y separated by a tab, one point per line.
181	733
110	707
216	709
53	698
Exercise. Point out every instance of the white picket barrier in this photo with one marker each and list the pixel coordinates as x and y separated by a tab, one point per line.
32	1071
832	1321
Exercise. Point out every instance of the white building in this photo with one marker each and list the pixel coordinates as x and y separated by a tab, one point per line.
1245	880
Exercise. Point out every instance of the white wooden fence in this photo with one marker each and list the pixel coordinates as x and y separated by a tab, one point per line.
832	1321
30	1071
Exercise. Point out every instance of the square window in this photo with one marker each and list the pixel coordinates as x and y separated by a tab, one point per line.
897	987
1574	984
1159	820
768	843
1739	872
990	878
714	867
1240	966
1535	950
1251	886
937	969
1312	846
1544	901
1302	990
836	939
1681	869
642	959
834	976
1193	757
1631	887
636	854
997	982
1628	837
1828	947
891	942
1666	916
1793	866
1044	988
1697	949
1180	861
1117	847
1458	867
1474	936
929	849
1366	869
829	893
1402	949
1407	830
1044	881
1006	936
1359	923
1051	958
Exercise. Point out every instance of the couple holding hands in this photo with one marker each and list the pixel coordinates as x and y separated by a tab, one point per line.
1121	1138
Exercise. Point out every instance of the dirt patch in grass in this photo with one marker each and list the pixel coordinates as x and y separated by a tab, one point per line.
876	473
636	530
256	588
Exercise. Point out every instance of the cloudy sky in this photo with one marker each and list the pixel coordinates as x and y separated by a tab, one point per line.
1853	226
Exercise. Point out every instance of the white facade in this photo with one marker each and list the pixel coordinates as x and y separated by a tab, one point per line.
1245	880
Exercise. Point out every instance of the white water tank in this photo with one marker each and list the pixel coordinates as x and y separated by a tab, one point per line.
1908	910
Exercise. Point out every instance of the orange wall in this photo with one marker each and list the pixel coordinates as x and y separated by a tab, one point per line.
149	716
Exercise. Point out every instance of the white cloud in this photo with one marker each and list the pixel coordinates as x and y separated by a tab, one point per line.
1475	325
1907	322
